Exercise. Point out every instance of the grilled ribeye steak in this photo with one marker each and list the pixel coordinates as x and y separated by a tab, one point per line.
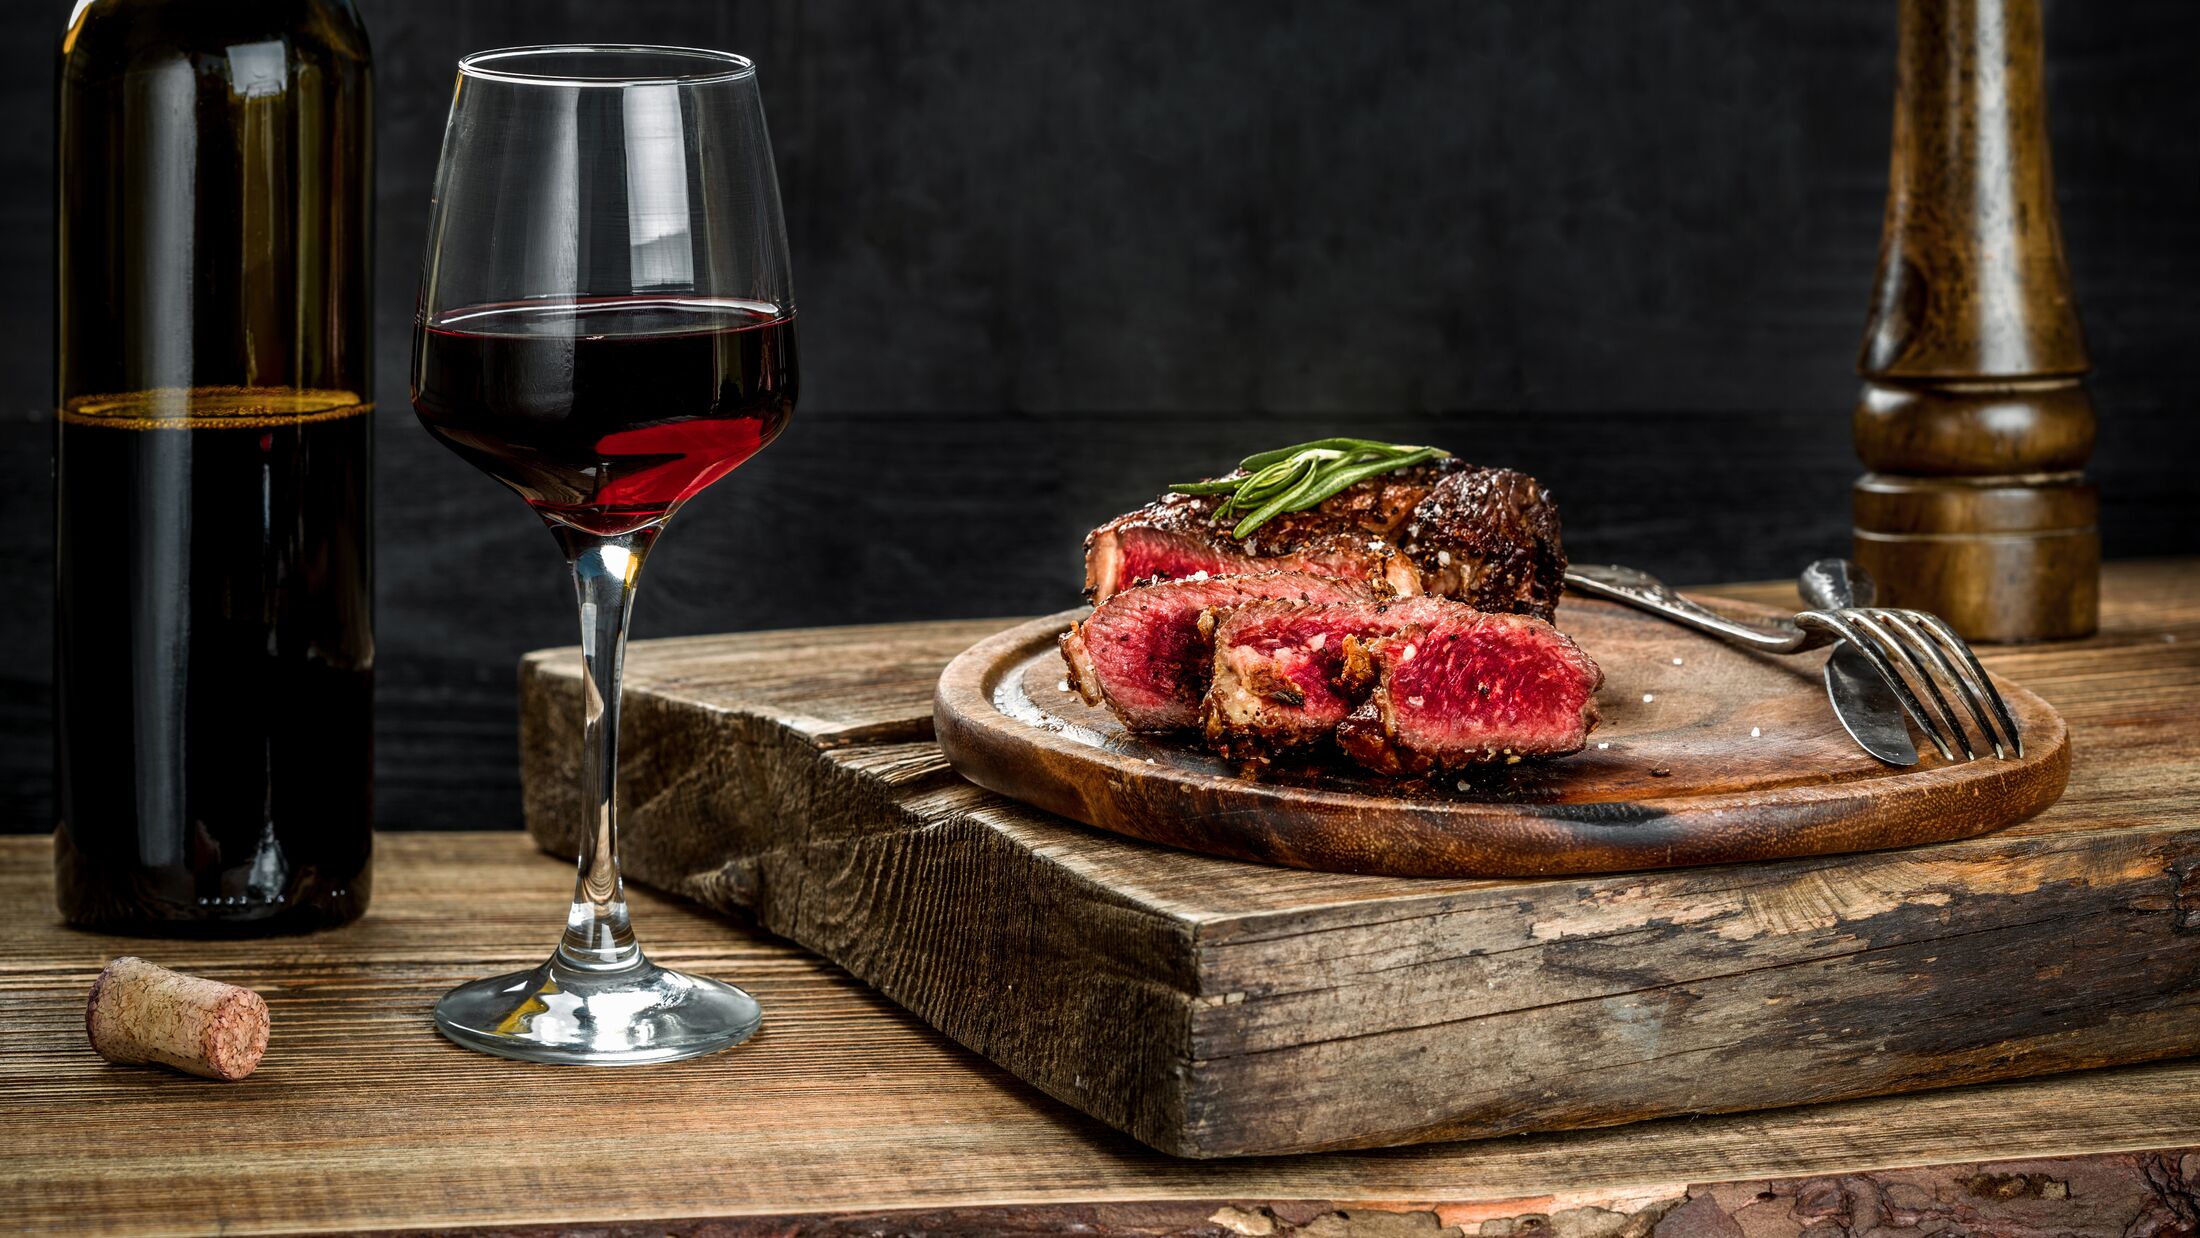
1148	652
1489	537
1466	689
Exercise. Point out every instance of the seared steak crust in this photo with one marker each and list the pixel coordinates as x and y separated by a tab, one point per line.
1488	536
1148	652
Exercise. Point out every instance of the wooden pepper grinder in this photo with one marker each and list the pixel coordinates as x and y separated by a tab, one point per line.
1974	420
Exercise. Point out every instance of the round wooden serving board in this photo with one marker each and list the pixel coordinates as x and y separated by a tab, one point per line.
1672	776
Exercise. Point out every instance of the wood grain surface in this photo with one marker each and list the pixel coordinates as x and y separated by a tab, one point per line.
361	1117
1706	754
1218	1008
2139	1195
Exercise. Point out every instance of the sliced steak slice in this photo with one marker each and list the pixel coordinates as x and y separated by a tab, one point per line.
1147	652
1279	670
1489	536
1467	689
1275	677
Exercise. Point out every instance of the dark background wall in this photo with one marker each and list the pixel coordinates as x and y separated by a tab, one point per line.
1051	256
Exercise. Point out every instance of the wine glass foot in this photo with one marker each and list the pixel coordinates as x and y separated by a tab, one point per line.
579	1016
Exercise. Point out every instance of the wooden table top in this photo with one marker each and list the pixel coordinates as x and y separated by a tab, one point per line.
363	1118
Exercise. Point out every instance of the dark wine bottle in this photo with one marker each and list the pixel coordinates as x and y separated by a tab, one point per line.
214	622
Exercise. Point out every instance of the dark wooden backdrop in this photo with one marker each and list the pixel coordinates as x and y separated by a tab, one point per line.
1052	255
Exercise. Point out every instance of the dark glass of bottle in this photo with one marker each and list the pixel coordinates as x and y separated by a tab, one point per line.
214	634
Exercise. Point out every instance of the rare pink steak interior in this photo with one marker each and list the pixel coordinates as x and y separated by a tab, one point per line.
1148	652
1288	675
1466	689
1279	671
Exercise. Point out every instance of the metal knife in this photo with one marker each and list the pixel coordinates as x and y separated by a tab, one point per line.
1861	699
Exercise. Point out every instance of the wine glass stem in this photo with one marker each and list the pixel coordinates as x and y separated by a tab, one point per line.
598	934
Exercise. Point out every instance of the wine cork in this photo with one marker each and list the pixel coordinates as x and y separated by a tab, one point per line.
142	1012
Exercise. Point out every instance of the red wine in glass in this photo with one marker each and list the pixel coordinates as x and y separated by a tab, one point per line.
607	413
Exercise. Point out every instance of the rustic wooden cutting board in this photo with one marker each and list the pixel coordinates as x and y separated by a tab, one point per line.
1706	754
1218	1008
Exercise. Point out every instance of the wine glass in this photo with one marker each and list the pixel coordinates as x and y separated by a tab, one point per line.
606	326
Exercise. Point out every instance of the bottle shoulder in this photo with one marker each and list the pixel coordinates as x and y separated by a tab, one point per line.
109	38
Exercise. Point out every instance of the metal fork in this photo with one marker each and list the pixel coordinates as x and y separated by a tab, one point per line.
1896	641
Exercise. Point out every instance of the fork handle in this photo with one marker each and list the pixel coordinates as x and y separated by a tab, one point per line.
1646	592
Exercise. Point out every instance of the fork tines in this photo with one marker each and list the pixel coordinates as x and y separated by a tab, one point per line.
1912	649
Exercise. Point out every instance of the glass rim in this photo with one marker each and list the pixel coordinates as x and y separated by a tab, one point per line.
493	65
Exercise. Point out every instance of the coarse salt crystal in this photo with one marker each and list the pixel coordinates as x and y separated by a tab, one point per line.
1150	761
1648	697
1199	575
1676	661
1375	544
1062	686
1443	558
1462	784
1320	639
1601	744
1416	701
1406	654
1754	732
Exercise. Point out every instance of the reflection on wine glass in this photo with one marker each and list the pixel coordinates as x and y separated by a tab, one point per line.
606	326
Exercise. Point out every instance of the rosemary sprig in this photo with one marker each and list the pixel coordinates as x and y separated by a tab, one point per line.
1297	478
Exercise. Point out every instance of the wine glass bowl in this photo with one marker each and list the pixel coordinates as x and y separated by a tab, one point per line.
606	326
542	396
